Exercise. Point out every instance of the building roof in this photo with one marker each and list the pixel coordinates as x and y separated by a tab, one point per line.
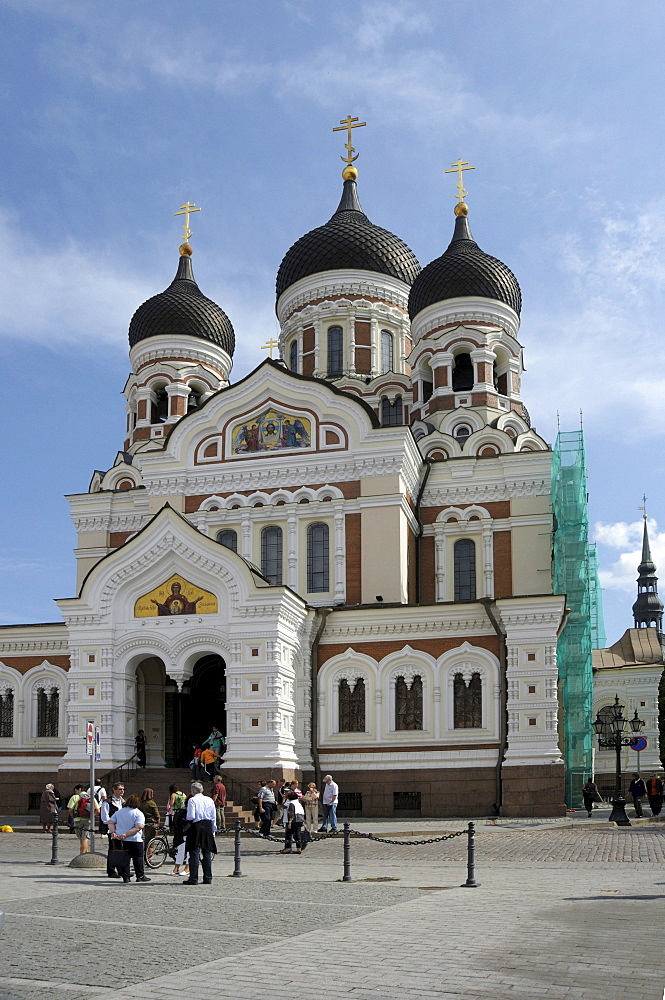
182	309
462	271
637	647
348	241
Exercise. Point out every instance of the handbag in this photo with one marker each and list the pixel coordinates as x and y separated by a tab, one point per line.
118	856
305	838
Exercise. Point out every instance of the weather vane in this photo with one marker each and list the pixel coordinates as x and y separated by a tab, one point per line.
186	210
458	168
644	501
346	125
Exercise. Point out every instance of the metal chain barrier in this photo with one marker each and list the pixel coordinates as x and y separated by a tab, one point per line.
406	843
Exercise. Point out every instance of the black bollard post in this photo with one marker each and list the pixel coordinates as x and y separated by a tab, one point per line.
347	853
237	872
54	842
471	859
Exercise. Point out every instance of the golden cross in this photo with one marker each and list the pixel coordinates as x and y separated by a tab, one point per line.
269	345
644	501
347	124
458	168
185	210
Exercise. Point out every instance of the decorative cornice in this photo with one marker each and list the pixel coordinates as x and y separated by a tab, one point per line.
327	283
488	312
456	493
109	521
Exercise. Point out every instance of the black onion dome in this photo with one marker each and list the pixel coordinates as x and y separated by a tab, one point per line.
464	270
182	309
347	241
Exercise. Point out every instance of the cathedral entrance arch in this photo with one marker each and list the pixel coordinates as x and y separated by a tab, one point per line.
191	714
150	687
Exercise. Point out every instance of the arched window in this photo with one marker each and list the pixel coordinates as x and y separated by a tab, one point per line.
293	356
229	538
465	569
318	558
6	713
271	554
392	414
468	702
161	407
48	711
352	706
386	352
461	433
194	398
409	704
463	373
335	351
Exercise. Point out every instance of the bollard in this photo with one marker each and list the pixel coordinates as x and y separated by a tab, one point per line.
471	859
347	853
237	872
54	842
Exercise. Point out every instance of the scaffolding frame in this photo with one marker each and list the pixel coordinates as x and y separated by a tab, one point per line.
575	574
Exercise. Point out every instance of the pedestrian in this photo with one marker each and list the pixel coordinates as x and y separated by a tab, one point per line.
148	807
219	801
126	829
139	744
589	794
179	835
48	809
168	812
83	810
637	790
281	791
330	797
217	743
208	760
255	802
200	835
293	787
100	795
295	819
310	801
195	762
76	791
655	793
109	807
266	806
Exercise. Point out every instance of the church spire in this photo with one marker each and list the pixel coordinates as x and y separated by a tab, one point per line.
648	608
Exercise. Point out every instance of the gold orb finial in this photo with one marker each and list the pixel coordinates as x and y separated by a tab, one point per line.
350	173
185	250
461	208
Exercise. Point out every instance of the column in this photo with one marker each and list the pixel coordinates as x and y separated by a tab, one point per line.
178	393
246	540
352	342
292	551
440	560
317	347
374	344
340	553
488	560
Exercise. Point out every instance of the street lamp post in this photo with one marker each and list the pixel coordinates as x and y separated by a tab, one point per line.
610	728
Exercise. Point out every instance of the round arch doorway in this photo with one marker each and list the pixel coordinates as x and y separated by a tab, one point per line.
202	705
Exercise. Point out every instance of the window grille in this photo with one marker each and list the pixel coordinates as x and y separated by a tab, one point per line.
271	554
229	538
406	802
386	352
468	702
350	802
48	712
318	558
409	704
335	351
465	569
7	713
392	414
293	357
352	707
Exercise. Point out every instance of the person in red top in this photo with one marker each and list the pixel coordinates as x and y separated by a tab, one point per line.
219	798
655	793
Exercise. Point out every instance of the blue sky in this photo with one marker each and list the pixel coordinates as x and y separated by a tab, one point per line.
116	113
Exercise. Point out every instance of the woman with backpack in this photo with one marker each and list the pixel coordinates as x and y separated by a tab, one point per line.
171	806
148	807
179	836
295	818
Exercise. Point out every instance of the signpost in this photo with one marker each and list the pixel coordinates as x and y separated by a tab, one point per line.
90	743
638	743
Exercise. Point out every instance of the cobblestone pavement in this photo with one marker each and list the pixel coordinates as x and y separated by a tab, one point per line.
554	917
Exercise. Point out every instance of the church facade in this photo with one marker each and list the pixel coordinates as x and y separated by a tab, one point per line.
343	560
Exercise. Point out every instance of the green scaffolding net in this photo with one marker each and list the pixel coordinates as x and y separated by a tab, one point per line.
575	572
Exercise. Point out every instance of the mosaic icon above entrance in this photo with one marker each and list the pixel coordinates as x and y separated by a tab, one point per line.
272	430
176	596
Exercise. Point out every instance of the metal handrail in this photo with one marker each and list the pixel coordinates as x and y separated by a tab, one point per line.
116	773
238	791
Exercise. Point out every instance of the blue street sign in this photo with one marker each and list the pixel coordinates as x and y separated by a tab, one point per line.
638	743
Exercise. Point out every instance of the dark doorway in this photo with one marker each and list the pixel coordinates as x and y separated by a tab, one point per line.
191	714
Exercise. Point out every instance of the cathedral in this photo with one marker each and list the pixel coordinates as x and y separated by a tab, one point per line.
344	559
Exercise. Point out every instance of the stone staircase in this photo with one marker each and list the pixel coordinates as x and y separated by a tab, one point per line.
160	778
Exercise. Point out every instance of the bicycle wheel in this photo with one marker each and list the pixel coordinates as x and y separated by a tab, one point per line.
156	852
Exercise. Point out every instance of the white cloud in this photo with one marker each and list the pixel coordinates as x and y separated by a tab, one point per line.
626	538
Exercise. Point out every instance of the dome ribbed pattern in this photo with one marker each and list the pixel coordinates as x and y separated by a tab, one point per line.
182	310
347	241
464	270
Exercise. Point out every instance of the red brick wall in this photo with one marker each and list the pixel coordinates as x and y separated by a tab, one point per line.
503	564
382	647
25	663
427	577
353	560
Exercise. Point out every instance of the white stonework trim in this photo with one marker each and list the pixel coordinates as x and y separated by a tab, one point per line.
339	283
467	309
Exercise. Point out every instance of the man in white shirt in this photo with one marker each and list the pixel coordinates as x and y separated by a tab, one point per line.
109	808
201	835
266	797
329	802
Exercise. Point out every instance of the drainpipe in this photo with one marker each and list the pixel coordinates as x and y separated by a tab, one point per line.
490	604
314	688
428	466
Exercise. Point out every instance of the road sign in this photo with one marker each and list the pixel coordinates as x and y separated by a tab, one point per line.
638	743
98	746
89	738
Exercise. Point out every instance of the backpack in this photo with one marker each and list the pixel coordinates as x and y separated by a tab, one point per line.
83	808
179	800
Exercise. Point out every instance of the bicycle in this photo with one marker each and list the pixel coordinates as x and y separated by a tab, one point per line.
158	849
